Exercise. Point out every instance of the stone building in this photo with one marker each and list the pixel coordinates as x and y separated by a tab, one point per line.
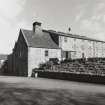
38	45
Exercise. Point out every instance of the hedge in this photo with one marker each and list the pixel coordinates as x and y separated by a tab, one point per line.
72	77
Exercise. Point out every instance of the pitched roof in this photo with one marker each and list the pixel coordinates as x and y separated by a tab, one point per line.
44	40
3	57
39	41
73	35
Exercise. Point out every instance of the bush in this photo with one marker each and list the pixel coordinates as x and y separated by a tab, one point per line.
42	66
54	60
46	65
66	61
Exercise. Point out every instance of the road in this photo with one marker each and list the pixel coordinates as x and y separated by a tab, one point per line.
44	83
42	91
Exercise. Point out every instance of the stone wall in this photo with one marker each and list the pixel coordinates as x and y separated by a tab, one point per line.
90	48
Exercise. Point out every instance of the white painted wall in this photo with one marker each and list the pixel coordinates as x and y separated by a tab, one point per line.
37	56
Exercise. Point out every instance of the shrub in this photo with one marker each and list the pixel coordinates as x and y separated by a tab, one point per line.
42	66
54	60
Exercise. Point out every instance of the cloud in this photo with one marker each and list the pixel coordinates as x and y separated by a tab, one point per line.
90	19
9	10
86	17
89	25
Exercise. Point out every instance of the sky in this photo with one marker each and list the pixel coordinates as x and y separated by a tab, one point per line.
84	17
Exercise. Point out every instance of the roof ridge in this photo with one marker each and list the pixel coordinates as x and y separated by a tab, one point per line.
74	35
69	35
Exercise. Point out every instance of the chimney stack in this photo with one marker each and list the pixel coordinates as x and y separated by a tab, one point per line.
37	27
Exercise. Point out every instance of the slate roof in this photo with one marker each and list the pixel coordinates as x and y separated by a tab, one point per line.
45	41
3	57
73	36
39	41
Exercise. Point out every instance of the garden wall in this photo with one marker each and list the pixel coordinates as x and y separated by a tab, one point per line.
72	77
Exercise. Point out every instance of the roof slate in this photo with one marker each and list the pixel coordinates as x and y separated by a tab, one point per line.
73	36
44	40
39	41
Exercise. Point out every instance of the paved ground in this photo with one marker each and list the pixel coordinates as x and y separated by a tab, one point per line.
44	83
41	91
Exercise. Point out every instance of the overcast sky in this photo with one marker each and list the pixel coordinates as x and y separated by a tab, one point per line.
85	17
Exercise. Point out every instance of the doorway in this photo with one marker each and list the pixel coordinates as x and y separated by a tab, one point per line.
67	55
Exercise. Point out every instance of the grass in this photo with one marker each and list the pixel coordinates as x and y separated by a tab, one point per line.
18	92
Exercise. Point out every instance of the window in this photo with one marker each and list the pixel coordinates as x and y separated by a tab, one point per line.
82	47
74	39
82	40
83	55
74	46
46	53
65	39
